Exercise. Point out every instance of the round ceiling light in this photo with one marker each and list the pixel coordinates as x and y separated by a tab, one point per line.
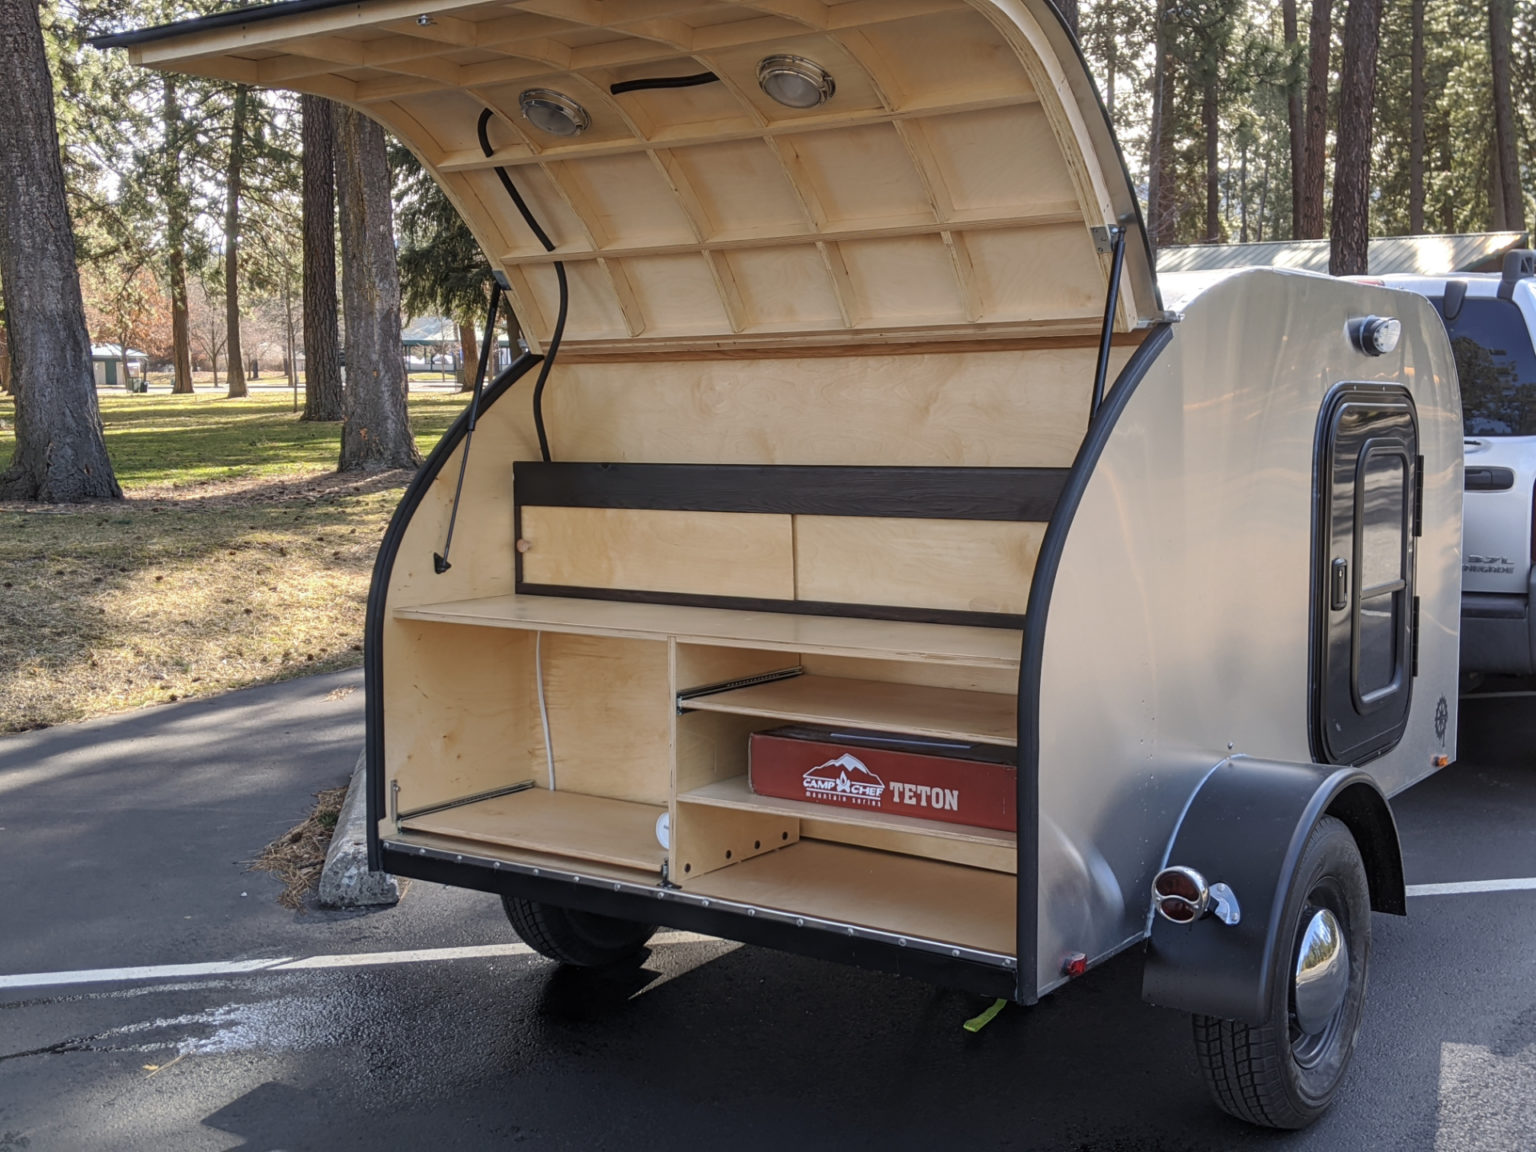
554	112
794	81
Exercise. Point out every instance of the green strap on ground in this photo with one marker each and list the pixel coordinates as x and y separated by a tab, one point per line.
977	1023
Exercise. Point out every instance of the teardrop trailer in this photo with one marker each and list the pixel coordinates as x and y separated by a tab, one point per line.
855	430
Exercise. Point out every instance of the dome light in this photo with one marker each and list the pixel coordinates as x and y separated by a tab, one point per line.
794	81
554	112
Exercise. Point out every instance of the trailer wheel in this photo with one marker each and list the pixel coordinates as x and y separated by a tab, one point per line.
582	939
1285	1072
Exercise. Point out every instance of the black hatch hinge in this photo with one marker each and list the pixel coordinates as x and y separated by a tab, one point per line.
1418	495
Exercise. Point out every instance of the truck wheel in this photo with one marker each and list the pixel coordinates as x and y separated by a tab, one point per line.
583	939
1284	1073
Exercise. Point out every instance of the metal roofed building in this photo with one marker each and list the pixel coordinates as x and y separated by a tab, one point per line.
1417	255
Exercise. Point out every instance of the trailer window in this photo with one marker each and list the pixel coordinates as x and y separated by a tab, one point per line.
1363	572
1382	500
1497	366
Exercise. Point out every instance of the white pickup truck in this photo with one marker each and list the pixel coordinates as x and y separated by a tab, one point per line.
1491	319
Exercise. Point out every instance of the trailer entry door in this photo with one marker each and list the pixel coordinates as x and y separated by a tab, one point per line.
1363	587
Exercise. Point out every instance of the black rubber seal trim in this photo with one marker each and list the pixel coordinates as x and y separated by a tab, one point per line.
1008	494
1036	615
378	596
246	14
793	607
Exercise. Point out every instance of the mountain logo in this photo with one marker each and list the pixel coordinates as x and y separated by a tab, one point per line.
845	780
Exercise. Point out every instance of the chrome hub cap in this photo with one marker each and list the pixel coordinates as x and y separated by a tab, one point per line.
1322	972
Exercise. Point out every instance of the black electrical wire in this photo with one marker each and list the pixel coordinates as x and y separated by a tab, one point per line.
440	561
624	86
565	292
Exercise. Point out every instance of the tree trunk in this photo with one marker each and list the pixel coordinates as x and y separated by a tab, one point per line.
1416	120
1314	160
1263	200
322	339
469	357
1210	118
290	341
1242	196
1159	150
1069	13
122	358
1111	61
1496	213
1349	252
234	358
176	239
376	433
1500	31
6	387
1294	118
60	454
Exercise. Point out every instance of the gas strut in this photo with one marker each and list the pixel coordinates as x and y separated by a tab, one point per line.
440	560
1111	300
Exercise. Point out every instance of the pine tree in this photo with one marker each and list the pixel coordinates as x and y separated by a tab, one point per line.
322	352
60	454
376	433
1350	239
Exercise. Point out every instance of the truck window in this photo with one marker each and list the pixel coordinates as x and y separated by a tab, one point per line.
1497	366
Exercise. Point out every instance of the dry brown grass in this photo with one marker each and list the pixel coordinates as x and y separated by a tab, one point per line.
238	558
297	857
181	593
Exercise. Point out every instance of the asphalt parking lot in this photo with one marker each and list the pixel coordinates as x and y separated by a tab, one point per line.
124	842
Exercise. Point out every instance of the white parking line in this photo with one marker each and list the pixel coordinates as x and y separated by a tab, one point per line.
485	951
288	964
1465	887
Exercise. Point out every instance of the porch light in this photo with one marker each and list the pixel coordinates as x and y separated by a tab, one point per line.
1376	335
554	112
1380	334
794	81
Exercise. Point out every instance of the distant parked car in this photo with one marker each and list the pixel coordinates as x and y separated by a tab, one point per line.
1491	319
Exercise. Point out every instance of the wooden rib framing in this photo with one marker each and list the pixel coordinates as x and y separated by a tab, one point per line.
384	54
471	159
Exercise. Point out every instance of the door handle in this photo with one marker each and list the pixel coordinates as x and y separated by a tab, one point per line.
1338	597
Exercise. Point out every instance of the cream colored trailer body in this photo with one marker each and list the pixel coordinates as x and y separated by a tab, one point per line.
820	444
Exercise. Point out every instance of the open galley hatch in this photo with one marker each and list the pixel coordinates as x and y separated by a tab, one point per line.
736	175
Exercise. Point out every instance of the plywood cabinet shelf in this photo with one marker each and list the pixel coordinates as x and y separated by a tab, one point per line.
567	824
769	631
899	894
916	709
735	793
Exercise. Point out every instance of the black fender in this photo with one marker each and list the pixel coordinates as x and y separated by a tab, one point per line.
1245	827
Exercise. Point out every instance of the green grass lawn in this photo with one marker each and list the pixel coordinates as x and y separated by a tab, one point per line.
160	439
239	557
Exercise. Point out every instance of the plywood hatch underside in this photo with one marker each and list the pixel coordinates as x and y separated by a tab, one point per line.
950	187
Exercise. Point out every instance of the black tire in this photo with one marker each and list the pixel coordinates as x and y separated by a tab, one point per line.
1274	1075
582	939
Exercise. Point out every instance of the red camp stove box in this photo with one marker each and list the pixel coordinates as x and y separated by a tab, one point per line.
953	781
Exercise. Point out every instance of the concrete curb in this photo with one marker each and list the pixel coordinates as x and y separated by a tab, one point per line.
345	882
